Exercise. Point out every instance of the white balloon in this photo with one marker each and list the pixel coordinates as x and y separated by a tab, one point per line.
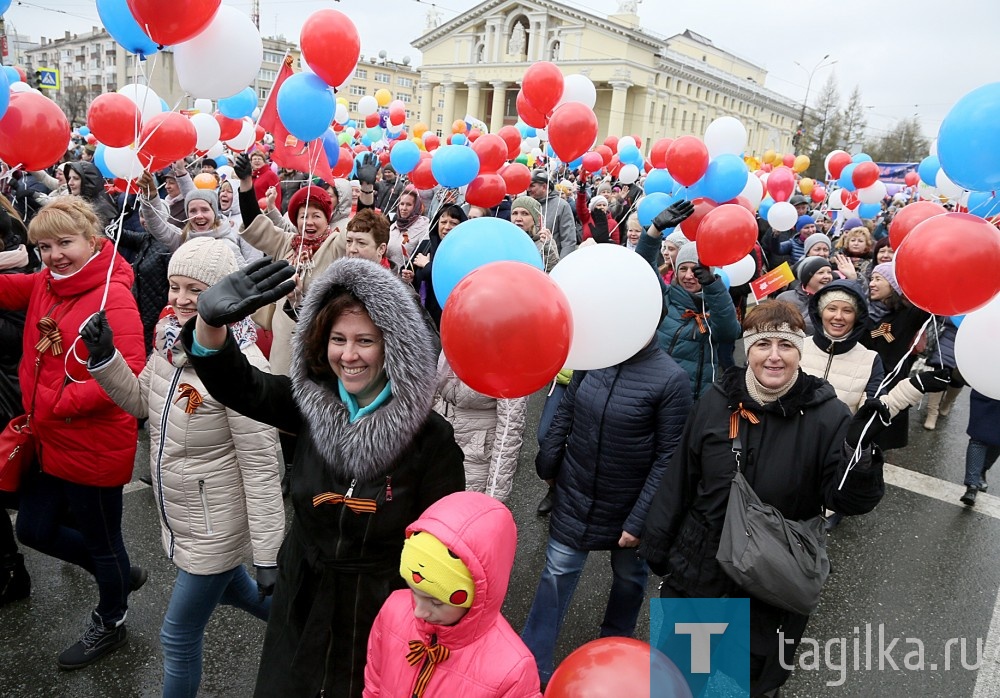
255	114
946	187
215	150
605	332
207	128
232	36
341	116
975	347
542	134
245	138
873	194
725	136
204	105
123	162
578	88
226	172
782	216
624	141
628	174
23	87
367	105
144	98
753	191
928	193
537	152
835	200
742	271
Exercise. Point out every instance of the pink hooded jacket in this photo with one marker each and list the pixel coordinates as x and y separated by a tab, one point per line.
487	658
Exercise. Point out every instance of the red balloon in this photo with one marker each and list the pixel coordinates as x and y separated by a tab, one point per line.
229	128
474	135
572	130
742	201
647	166
638	142
849	199
611	142
616	666
397	114
512	137
933	264
34	132
818	195
492	152
361	148
592	161
169	23
170	136
345	162
788	160
486	190
517	177
606	152
615	166
506	329
431	142
726	235
837	163
91	139
22	72
127	187
330	45
421	176
687	160
910	217
865	174
372	120
912	179
542	86
114	120
528	113
151	163
383	158
702	207
658	153
258	133
781	183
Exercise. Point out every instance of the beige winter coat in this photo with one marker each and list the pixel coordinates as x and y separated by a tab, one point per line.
489	432
215	472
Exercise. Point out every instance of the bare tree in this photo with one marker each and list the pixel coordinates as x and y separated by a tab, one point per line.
823	127
74	100
904	143
853	121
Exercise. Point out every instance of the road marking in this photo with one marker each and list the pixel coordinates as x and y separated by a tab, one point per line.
941	490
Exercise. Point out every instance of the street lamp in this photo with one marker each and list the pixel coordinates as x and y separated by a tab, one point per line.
805	101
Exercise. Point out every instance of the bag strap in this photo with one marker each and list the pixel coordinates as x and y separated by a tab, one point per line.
734	430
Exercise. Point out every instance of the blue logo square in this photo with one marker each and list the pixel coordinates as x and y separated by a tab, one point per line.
708	640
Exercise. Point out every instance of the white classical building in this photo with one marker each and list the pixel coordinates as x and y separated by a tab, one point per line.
647	85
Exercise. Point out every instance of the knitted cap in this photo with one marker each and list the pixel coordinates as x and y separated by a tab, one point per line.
814	239
540	177
887	270
803	221
208	195
807	268
825	298
677	239
782	331
318	197
532	206
429	566
687	255
597	201
203	259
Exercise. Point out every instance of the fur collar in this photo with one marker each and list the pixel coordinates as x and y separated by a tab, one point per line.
370	447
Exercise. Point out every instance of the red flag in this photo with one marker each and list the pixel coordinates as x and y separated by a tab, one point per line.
289	151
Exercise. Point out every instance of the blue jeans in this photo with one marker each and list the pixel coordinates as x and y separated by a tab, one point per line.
191	605
563	566
979	458
81	525
549	410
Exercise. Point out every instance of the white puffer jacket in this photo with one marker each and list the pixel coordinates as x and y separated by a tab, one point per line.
215	472
489	432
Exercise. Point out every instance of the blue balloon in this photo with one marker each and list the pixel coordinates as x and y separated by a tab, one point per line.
869	210
576	163
351	123
221	161
984	204
306	106
845	181
83	131
4	93
455	166
725	178
956	320
522	128
239	105
121	25
861	157
459	139
12	75
404	156
366	139
375	133
475	243
723	276
4	5
331	147
100	163
928	169
969	141
630	155
164	105
659	181
651	205
530	132
765	205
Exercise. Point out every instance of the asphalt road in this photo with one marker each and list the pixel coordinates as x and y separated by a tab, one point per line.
922	565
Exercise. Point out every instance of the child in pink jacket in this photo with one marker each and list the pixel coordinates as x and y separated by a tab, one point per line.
444	637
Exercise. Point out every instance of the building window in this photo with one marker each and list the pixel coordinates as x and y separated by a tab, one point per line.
404	98
554	52
679	86
663	115
703	123
264	91
353	106
358	91
273	57
440	118
361	73
689	90
684	118
439	133
725	102
404	82
673	118
440	104
384	78
269	75
697	94
667	83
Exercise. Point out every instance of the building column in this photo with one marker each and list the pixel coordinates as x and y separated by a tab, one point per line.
472	107
426	101
619	97
449	107
499	98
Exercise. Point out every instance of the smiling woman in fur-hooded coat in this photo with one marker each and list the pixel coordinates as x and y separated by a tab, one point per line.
362	473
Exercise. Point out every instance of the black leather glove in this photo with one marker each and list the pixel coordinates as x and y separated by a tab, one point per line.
242	166
704	275
266	579
368	168
238	295
872	406
674	215
97	336
936	381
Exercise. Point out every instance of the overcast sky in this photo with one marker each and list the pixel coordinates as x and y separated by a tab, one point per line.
914	57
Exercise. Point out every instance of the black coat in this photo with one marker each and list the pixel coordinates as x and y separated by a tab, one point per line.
150	259
984	419
608	445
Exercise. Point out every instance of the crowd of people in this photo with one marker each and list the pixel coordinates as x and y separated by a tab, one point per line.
277	336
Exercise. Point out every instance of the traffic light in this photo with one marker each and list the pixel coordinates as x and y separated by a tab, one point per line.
35	79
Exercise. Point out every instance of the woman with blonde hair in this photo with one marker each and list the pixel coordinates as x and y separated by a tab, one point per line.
856	247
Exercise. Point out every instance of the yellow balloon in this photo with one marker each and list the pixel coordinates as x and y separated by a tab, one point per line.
801	164
343	100
805	184
383	97
752	163
769	156
420	144
419	129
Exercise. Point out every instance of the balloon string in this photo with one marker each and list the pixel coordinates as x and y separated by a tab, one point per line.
495	470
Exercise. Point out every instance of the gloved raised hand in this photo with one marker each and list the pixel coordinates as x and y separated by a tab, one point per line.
368	168
704	275
266	579
97	336
242	166
872	406
239	294
674	215
936	381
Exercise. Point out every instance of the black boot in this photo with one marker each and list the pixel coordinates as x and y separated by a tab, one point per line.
15	584
99	640
969	498
137	576
548	501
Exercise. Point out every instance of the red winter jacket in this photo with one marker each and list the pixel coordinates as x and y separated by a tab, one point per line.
587	220
263	179
487	658
83	437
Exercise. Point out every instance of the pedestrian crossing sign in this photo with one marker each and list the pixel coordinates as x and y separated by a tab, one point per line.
48	78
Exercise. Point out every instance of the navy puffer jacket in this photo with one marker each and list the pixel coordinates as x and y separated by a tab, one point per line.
608	445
